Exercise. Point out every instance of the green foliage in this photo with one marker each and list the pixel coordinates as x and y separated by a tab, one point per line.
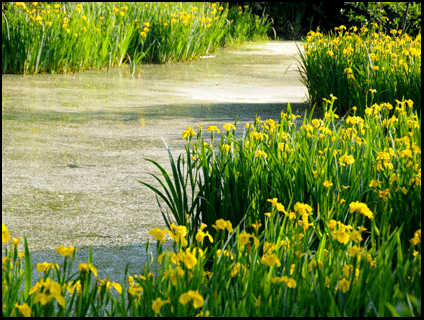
277	272
69	37
405	16
290	19
179	193
328	166
321	220
308	222
362	66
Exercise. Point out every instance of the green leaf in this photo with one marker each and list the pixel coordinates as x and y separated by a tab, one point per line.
28	271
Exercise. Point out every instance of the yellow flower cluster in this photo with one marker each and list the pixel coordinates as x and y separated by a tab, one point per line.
221	224
417	238
344	233
351	41
186	18
188	133
201	235
361	208
47	290
229	127
213	129
109	25
192	296
389	62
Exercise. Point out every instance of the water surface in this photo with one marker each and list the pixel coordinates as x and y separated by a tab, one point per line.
74	145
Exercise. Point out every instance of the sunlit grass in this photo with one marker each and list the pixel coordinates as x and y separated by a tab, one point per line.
350	63
375	160
320	221
323	220
68	37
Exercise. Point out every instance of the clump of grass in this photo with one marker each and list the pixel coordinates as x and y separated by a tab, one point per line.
321	221
350	63
374	160
273	273
69	37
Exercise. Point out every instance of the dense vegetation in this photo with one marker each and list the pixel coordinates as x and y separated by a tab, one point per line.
293	20
320	217
362	67
68	37
324	220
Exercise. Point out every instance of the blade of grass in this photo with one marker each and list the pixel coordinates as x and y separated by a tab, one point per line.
28	271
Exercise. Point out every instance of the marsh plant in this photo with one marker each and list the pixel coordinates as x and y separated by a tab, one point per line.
68	37
320	221
374	160
352	63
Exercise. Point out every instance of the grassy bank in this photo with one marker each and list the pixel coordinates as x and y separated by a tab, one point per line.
321	221
351	63
69	37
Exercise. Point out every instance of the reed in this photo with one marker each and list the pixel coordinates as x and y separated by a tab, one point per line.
321	221
350	63
69	37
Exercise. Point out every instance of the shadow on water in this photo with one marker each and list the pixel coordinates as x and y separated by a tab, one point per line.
198	112
73	145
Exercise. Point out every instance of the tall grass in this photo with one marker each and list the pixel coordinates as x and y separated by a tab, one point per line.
68	37
350	63
374	160
321	221
268	274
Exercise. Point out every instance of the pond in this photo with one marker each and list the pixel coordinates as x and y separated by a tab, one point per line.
73	146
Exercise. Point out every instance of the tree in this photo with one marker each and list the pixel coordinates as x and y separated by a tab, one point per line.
386	15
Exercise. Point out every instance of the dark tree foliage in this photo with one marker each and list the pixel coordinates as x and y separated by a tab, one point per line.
293	20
